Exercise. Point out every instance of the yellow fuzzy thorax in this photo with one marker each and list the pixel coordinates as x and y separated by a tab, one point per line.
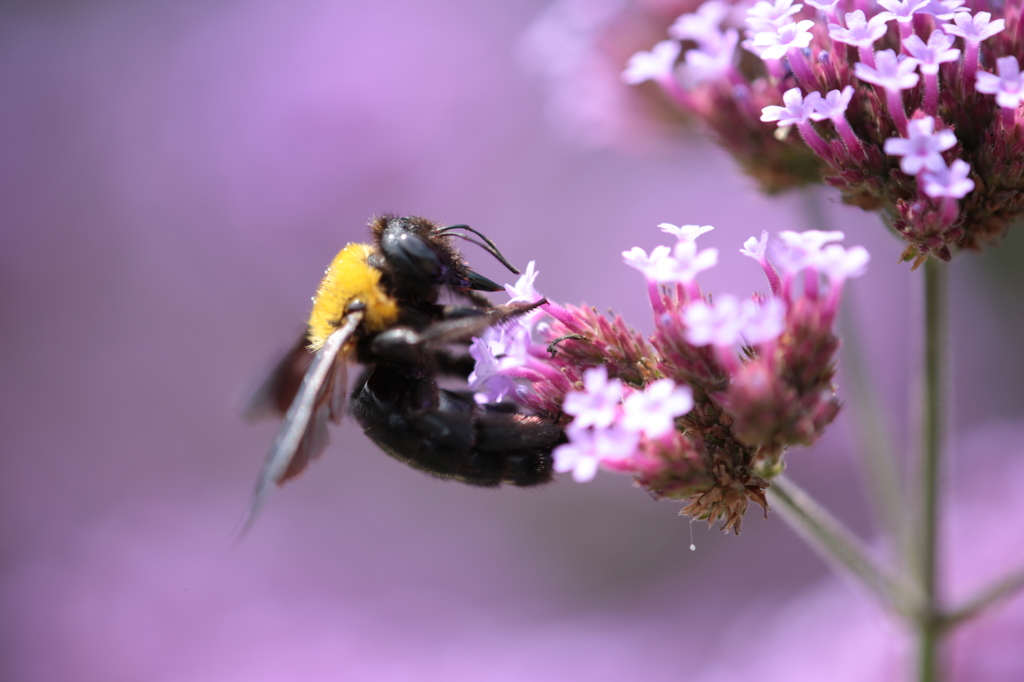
349	278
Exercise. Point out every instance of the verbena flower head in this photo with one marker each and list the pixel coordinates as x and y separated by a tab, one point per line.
703	409
855	79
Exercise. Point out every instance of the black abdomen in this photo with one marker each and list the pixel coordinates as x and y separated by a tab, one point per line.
447	434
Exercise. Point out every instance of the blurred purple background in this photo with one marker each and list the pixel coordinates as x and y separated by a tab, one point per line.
174	177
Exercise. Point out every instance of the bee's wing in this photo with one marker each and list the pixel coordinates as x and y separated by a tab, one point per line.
277	392
303	433
339	390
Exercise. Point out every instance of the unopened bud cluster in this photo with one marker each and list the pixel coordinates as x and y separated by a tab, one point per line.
911	107
703	409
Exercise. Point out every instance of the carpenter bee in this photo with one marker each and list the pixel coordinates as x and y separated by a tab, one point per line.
380	305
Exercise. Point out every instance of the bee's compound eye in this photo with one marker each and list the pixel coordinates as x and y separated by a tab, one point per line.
410	254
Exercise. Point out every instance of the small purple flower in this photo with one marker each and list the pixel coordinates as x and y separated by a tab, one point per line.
930	56
944	9
587	447
755	248
798	108
653	410
824	5
517	337
650	266
895	74
974	29
598	404
799	250
700	25
774	42
938	50
484	349
838	263
1008	86
902	11
685	232
922	148
758	249
522	290
860	32
952	182
765	16
656	65
717	324
486	380
833	106
710	62
682	266
687	262
810	241
890	72
762	322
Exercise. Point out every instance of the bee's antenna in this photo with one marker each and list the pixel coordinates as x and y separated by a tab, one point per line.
487	246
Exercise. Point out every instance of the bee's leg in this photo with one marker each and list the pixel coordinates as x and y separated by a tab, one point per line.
455	329
407	346
480	302
457	312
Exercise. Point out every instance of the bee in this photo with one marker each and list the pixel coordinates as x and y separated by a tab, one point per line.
380	305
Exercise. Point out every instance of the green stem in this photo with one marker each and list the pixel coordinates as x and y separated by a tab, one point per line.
936	386
832	540
986	599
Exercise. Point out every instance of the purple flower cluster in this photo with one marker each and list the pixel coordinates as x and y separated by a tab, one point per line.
910	107
703	409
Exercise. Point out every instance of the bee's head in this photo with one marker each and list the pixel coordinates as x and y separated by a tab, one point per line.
417	254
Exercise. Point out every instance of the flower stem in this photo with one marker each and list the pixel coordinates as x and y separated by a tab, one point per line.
928	619
987	598
832	540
